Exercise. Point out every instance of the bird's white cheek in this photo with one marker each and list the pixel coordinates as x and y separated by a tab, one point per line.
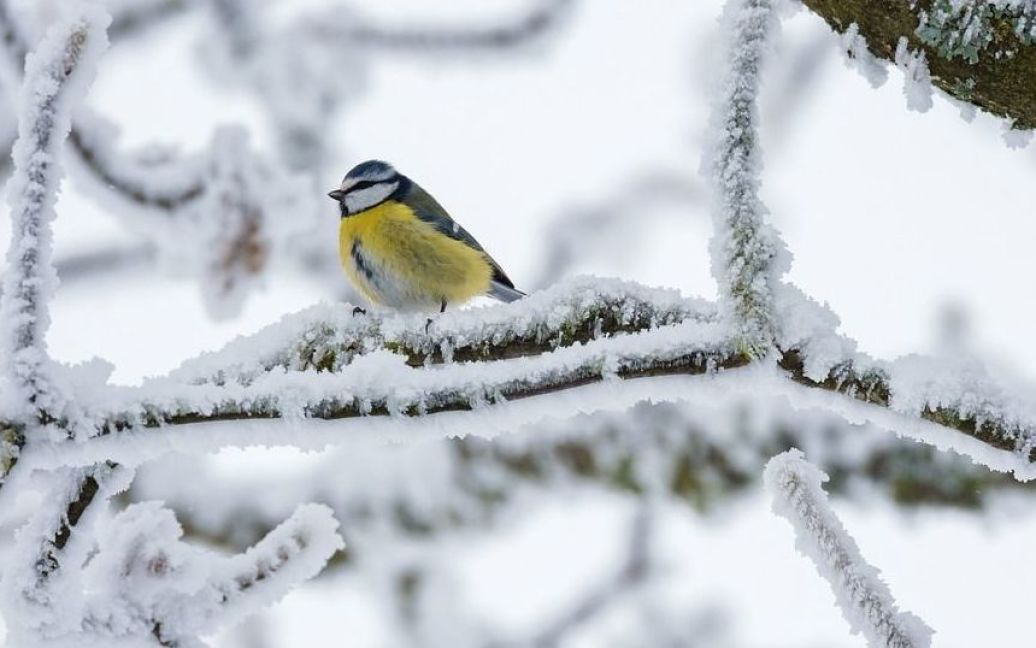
357	201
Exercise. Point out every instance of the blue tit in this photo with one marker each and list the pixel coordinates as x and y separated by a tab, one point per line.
402	250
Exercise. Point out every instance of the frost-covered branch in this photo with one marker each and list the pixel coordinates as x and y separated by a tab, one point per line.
229	201
41	581
148	584
956	395
866	603
747	255
47	596
981	52
130	17
700	456
96	154
328	364
330	337
56	77
538	18
224	209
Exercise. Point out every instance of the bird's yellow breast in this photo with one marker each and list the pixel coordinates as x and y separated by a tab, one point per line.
400	261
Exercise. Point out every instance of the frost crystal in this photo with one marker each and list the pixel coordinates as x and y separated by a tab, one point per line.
859	57
917	84
1016	138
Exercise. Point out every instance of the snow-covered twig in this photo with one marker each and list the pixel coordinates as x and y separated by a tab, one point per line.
56	78
538	18
41	585
866	603
145	583
748	257
141	582
128	180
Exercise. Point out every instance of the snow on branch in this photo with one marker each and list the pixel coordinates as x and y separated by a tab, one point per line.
956	395
701	455
146	583
47	598
56	78
329	337
748	257
133	180
41	582
229	204
866	603
383	384
328	364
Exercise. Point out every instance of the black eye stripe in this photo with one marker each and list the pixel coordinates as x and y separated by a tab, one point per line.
366	184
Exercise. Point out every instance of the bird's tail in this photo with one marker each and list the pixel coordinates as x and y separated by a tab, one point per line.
504	293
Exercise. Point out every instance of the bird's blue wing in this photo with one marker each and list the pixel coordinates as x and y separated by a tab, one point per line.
430	211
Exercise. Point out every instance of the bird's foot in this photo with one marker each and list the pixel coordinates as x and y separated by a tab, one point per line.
358	311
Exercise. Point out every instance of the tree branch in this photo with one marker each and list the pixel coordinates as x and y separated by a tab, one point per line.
42	550
56	75
990	418
541	16
702	457
978	52
98	158
136	17
866	603
325	363
748	256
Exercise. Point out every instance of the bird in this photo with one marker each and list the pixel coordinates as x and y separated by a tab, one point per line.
403	251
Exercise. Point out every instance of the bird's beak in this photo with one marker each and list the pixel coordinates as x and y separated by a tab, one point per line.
337	195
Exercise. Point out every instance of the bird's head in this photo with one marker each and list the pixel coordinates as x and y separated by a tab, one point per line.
368	184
